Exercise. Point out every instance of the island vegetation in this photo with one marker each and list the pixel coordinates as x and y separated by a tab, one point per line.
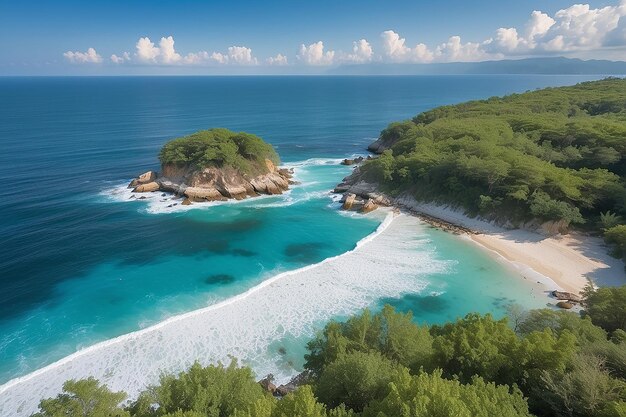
553	155
541	362
220	148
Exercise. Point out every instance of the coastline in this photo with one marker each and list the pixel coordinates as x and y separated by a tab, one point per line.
568	262
289	304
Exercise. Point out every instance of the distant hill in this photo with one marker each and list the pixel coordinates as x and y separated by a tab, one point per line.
557	65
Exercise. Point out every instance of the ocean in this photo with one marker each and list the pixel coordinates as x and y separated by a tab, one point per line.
82	262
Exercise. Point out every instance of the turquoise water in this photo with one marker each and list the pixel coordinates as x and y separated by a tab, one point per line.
82	263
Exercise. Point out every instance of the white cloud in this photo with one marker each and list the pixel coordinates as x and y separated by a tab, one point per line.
241	55
454	50
314	54
236	55
89	57
146	51
279	59
579	30
538	25
125	57
193	58
361	52
167	52
395	49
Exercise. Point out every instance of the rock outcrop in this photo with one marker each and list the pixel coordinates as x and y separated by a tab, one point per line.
352	161
213	183
566	296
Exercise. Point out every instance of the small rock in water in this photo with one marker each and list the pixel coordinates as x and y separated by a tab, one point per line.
282	350
564	304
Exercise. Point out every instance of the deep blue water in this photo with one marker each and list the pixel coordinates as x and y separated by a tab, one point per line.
80	264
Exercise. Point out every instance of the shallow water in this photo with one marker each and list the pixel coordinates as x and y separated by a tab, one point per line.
83	263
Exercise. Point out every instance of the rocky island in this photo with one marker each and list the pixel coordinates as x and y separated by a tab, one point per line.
216	165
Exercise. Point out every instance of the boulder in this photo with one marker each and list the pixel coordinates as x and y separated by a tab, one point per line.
202	193
369	206
349	201
287	173
147	177
285	389
268	383
133	183
566	296
564	304
347	162
186	202
146	188
341	188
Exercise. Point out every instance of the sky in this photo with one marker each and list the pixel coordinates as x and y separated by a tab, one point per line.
67	37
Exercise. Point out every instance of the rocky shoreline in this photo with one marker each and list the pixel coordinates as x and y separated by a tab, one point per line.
364	197
213	183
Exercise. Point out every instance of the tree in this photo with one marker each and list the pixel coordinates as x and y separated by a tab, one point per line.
213	391
354	379
430	395
585	390
84	398
606	306
616	236
392	334
476	345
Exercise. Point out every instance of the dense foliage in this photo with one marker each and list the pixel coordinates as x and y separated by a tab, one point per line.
541	362
553	155
219	147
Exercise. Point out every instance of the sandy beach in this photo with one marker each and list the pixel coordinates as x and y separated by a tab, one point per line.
568	262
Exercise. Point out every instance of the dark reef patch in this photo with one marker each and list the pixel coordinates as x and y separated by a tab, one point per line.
218	246
243	252
304	252
219	279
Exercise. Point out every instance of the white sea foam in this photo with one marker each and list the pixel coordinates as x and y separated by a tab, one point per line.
394	260
161	203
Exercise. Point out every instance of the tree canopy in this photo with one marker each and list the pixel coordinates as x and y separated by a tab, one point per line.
553	154
545	363
219	147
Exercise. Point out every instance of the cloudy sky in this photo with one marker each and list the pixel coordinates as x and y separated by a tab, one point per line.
293	36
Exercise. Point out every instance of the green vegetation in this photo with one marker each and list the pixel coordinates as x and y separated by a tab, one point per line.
543	362
219	148
552	155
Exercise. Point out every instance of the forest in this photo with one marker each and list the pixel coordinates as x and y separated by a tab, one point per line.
218	148
551	155
538	362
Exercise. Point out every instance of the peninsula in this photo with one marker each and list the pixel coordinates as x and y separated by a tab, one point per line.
537	177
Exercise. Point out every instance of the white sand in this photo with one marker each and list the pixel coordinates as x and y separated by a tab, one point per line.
290	304
569	261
